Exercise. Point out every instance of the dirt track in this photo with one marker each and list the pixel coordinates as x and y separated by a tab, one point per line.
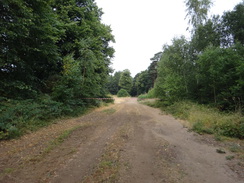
126	142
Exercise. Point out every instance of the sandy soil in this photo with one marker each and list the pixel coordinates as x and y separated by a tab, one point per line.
125	142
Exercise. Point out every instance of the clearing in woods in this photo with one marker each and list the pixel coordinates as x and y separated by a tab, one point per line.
125	142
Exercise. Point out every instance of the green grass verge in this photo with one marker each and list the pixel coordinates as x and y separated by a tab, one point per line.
204	119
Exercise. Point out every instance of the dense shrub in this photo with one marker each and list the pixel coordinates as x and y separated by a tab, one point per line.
19	116
148	95
123	93
109	100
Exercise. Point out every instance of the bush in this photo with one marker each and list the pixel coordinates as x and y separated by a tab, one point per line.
123	93
19	116
109	99
148	95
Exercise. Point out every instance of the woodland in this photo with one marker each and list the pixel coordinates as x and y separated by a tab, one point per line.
207	69
55	54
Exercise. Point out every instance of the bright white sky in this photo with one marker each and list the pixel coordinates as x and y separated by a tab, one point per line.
142	27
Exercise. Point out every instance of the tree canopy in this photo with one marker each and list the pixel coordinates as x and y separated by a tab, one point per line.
197	11
53	55
208	68
47	44
125	81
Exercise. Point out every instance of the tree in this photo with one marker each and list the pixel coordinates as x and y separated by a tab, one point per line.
88	39
175	72
152	69
125	81
233	26
38	37
113	83
143	82
53	54
208	69
123	93
28	52
197	11
67	89
134	85
207	34
156	57
219	77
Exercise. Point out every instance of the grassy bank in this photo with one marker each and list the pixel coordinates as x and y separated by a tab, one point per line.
205	119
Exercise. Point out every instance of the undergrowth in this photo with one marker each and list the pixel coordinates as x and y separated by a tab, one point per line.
148	95
205	119
18	117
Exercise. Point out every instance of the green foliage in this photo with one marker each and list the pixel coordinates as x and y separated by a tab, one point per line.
235	148
152	69
200	128
175	72
219	78
143	96
207	69
142	82
87	38
150	94
123	93
113	83
232	26
205	119
197	11
28	51
52	55
125	81
68	89
38	37
20	116
207	34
